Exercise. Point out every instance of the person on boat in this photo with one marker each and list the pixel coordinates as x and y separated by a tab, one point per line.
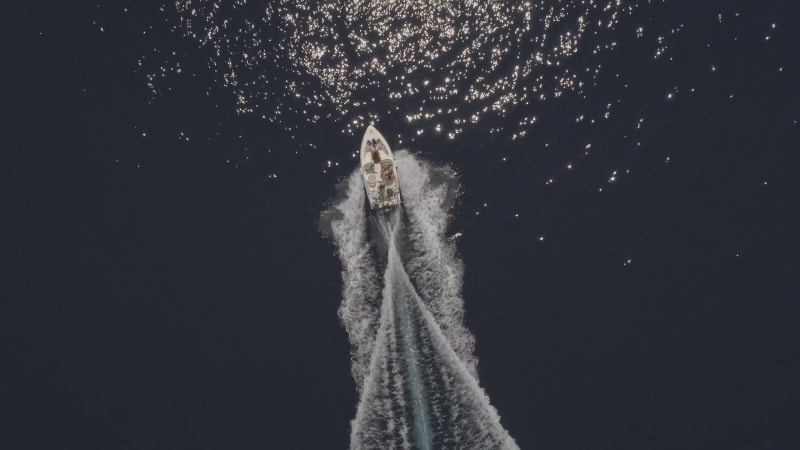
388	172
381	190
376	157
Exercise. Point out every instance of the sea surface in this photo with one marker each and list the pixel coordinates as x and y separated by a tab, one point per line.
597	248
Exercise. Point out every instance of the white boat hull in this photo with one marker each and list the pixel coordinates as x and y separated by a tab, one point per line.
379	171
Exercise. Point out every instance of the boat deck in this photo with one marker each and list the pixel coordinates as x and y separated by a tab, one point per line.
378	169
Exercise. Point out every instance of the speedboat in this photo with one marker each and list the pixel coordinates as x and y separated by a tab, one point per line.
379	171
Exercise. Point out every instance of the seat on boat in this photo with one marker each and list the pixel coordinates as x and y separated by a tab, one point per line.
387	171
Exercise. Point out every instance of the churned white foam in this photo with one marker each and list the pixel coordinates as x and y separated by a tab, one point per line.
377	423
428	196
477	425
412	355
359	309
393	408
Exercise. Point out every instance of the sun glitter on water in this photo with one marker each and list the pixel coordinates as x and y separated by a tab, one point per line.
440	67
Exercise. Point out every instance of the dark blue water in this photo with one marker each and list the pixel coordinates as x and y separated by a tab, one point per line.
624	225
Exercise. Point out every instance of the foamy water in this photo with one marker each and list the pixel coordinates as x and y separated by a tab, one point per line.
413	359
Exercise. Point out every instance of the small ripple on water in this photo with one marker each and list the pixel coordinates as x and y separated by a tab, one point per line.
438	66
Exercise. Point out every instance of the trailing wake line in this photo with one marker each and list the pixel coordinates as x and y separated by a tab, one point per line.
417	380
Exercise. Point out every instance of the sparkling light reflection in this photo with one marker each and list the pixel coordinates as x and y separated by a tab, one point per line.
358	61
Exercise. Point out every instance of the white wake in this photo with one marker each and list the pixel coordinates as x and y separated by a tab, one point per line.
412	356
